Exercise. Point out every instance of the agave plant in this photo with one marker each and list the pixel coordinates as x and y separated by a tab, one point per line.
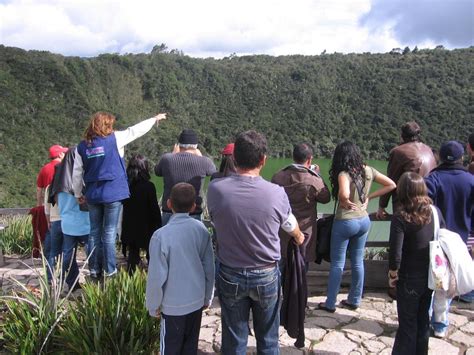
33	314
16	239
111	318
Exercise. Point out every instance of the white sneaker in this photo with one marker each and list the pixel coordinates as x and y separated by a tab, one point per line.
440	334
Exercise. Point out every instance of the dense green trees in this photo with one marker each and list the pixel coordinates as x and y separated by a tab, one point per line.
47	98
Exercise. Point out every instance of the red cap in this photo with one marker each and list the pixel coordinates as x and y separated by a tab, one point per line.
228	150
55	150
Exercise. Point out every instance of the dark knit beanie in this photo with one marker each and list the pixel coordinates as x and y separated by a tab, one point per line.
188	136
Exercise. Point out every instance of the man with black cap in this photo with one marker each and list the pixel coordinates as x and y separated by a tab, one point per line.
184	164
451	187
411	155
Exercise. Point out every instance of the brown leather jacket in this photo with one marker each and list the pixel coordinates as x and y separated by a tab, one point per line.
412	156
305	189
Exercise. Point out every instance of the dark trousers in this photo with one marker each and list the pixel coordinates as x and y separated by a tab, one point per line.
134	257
180	334
413	304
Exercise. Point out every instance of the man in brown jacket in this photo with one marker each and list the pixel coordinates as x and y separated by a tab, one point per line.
410	155
305	188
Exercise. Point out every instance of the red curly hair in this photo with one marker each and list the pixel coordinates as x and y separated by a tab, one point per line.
100	125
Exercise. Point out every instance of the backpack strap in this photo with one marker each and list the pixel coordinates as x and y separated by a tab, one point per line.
360	190
435	221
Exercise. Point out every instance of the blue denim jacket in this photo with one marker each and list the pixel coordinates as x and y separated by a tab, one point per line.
181	270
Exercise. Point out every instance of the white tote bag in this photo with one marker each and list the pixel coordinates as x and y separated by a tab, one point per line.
460	261
438	274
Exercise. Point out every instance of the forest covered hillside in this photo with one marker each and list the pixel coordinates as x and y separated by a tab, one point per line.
47	99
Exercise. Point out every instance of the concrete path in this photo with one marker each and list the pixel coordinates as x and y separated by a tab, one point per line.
368	330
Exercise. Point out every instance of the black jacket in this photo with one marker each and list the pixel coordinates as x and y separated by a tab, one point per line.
62	181
295	295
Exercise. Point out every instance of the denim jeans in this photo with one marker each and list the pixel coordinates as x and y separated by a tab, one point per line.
439	311
56	244
413	303
46	250
242	290
104	218
69	267
468	297
165	217
347	234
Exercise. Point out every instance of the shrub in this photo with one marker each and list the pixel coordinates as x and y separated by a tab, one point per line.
33	314
17	238
111	319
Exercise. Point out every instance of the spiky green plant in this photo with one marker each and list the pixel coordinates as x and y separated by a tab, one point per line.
17	237
111	318
33	314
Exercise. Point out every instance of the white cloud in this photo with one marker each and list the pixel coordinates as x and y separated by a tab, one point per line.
198	28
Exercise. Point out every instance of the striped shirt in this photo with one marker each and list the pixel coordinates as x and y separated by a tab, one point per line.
184	167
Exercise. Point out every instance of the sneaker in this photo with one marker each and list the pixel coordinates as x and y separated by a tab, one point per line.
440	334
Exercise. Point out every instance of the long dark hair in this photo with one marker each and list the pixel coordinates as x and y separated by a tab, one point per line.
346	158
413	197
138	169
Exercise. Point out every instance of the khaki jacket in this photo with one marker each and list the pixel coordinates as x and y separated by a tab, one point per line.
305	189
412	156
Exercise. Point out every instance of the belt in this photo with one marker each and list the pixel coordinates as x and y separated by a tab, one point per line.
263	267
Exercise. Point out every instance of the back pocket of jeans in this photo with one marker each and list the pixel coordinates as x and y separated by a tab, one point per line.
268	293
227	290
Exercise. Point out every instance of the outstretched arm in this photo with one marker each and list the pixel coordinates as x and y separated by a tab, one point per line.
136	131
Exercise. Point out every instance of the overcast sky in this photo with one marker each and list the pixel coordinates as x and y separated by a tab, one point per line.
218	28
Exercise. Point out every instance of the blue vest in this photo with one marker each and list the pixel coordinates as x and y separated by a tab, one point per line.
104	170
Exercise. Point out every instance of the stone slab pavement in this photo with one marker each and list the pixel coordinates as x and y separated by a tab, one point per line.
368	330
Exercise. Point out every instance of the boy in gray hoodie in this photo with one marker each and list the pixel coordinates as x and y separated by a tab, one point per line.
180	275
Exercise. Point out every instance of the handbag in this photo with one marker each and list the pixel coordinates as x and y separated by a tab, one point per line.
460	262
323	237
438	272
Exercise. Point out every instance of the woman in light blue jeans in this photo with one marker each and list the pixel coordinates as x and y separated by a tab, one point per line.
351	180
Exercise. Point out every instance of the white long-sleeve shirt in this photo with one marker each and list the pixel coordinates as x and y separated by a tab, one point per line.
123	138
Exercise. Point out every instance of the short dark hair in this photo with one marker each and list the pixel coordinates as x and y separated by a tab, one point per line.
302	152
411	132
470	140
183	196
250	148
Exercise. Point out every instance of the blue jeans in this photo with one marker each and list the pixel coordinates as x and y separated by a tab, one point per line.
104	218
347	234
56	243
69	267
165	217
468	297
413	303
46	246
439	311
241	290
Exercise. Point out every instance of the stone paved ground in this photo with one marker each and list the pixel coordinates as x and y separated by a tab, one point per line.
368	330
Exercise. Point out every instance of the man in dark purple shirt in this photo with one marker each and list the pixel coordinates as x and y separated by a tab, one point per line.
247	212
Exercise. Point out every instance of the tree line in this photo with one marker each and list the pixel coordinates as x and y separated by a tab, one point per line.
47	98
